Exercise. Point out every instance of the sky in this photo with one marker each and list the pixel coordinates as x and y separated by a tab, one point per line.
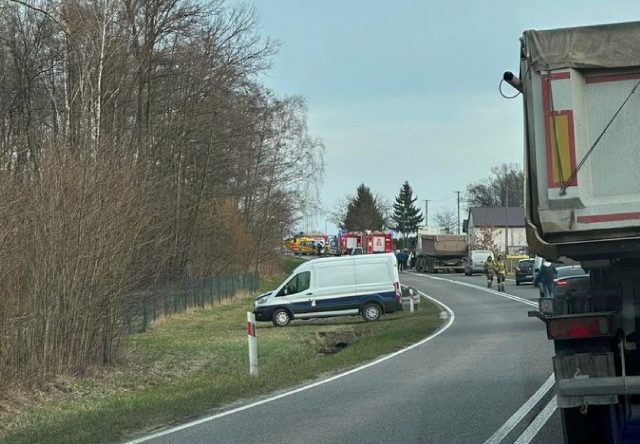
408	90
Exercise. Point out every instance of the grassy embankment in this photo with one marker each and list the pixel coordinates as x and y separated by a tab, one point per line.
197	362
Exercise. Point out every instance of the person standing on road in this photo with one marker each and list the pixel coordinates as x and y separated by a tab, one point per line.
546	276
501	272
489	270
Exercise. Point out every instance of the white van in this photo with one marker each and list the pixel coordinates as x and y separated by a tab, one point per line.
336	286
476	260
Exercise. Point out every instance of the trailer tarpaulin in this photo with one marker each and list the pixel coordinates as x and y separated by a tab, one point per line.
602	46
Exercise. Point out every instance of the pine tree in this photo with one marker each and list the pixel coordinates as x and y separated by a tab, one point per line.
406	215
364	212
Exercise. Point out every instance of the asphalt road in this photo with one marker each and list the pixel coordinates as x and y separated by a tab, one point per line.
460	387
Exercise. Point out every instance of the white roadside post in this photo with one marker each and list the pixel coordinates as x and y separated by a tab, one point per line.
411	300
253	346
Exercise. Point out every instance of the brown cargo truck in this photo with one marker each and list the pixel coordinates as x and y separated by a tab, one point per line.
441	252
582	194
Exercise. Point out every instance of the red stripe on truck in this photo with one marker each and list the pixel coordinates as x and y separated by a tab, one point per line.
607	218
613	77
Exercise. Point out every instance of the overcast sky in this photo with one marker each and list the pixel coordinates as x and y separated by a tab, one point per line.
408	90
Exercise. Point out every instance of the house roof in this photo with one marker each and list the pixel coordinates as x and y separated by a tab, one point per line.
496	217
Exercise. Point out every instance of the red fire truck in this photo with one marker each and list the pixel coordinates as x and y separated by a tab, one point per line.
378	242
369	242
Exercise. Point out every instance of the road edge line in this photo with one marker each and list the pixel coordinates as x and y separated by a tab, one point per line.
524	410
539	422
435	334
487	290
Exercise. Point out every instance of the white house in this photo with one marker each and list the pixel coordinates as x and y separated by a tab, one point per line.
497	220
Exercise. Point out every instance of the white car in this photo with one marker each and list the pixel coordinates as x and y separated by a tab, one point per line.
475	261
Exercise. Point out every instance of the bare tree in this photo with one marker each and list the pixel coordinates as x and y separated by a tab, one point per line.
136	146
504	186
484	239
447	221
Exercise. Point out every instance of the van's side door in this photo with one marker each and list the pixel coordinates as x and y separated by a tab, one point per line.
334	288
297	293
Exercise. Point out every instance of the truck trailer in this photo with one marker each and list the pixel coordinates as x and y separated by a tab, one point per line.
582	198
441	252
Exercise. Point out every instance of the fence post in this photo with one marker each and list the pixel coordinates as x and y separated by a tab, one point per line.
144	317
411	300
253	346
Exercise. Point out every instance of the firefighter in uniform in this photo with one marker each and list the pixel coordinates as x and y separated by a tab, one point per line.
489	270
501	272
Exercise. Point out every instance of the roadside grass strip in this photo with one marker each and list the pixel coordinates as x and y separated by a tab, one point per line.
197	363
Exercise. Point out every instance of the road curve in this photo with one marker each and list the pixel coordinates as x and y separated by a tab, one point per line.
460	387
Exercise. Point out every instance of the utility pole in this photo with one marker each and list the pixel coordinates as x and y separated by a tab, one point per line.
506	224
458	210
426	213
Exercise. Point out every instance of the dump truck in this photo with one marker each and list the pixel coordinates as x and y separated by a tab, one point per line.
441	252
582	196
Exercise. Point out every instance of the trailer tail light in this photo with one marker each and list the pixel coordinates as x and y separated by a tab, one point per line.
398	296
579	326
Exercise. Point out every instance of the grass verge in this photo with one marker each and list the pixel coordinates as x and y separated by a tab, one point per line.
197	362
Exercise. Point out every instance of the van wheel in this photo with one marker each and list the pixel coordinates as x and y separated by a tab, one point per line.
281	317
371	312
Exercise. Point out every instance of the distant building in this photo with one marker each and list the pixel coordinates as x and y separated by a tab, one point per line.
496	220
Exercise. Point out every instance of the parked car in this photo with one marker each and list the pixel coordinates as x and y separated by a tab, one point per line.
524	271
475	261
572	279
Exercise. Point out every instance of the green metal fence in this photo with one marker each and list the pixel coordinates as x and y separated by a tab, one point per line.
147	306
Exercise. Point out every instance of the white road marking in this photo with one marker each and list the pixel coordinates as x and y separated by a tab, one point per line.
524	410
538	423
477	287
452	317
